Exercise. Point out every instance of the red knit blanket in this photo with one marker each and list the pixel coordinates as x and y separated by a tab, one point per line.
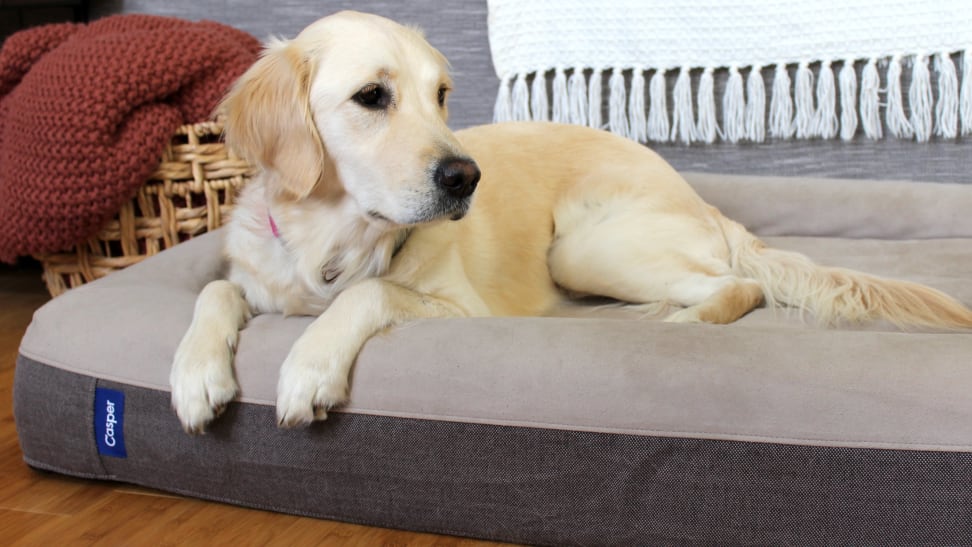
85	111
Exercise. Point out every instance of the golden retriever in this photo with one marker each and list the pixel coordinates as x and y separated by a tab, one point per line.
369	212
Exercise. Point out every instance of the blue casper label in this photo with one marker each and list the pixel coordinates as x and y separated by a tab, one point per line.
109	422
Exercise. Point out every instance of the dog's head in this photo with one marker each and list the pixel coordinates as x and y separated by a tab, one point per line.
354	108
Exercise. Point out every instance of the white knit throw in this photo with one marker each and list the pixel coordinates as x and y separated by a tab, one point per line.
637	46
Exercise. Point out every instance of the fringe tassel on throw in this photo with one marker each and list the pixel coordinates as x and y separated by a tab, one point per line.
803	98
756	106
502	109
561	104
965	102
897	122
781	105
577	98
825	119
538	98
594	100
683	125
920	99
521	99
637	123
617	114
658	126
824	102
870	101
734	107
707	127
947	109
848	100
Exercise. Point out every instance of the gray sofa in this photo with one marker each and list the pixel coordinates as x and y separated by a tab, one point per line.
459	29
594	426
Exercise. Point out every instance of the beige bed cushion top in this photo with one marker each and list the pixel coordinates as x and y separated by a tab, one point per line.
784	206
768	377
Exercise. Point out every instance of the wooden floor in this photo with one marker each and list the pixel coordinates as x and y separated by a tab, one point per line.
38	508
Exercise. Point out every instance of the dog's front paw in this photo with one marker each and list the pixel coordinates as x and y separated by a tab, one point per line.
202	381
310	384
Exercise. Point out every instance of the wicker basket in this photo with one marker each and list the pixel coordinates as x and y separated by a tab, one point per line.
190	193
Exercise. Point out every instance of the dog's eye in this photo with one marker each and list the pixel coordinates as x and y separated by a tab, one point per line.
443	91
373	96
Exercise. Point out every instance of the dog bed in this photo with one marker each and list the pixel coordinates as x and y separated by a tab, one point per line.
595	426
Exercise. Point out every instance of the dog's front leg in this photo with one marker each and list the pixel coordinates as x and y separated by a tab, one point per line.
314	377
202	378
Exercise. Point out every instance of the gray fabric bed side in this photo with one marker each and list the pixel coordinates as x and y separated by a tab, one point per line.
529	485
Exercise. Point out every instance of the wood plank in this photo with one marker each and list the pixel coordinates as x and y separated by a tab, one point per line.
38	492
40	508
15	525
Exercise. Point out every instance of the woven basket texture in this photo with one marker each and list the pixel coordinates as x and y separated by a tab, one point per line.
191	193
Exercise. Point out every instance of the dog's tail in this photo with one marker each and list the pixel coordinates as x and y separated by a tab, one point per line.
834	295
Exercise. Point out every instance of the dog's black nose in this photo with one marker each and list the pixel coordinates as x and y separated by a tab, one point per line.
457	176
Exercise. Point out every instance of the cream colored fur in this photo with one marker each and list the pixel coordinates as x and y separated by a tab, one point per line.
367	242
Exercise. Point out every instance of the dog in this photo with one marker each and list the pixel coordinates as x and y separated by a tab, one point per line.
368	212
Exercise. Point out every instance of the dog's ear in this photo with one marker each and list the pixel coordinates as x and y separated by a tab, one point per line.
268	120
